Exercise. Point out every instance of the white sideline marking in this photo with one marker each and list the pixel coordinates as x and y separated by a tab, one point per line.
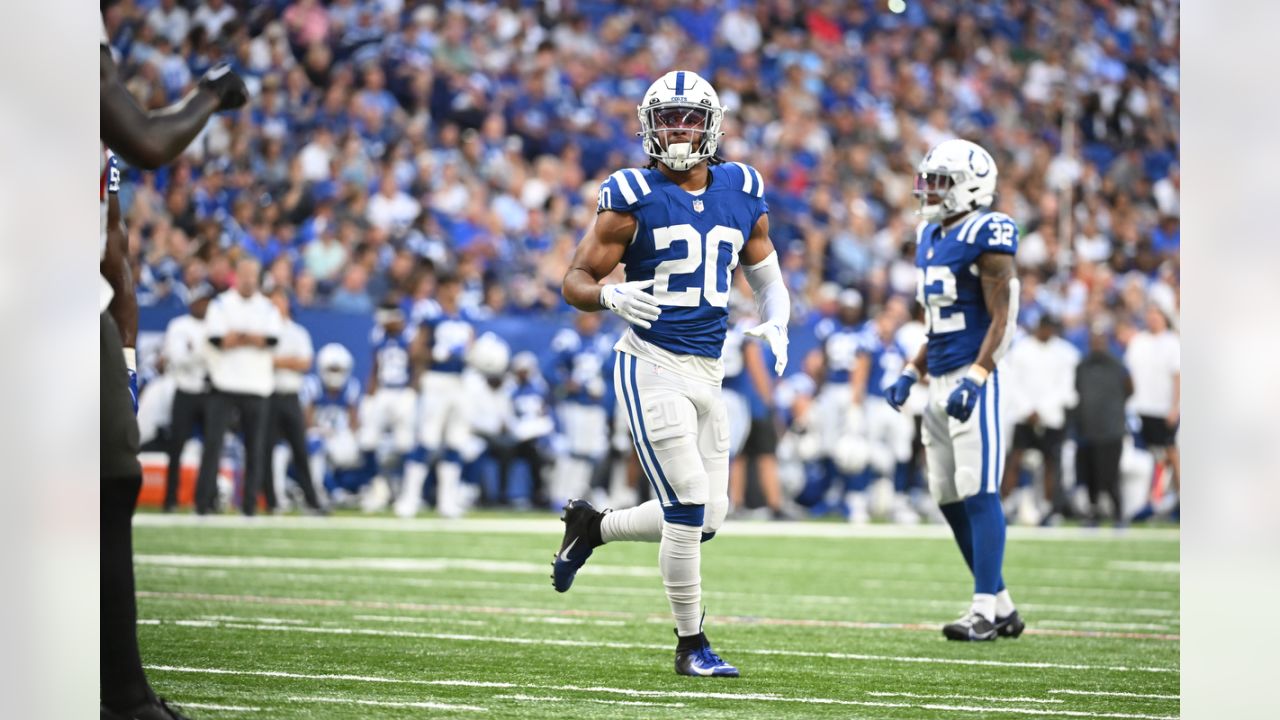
551	526
1103	693
930	626
549	698
384	703
402	619
557	642
766	697
1108	610
1144	566
390	564
211	706
1100	625
1044	701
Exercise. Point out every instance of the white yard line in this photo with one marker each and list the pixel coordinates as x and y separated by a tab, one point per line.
740	697
560	642
621	617
1102	693
551	526
924	696
552	698
211	706
384	703
438	564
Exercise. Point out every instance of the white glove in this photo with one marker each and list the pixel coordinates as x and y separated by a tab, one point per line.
630	302
776	335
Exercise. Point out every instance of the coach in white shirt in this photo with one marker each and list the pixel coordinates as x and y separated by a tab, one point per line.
243	327
186	361
1154	361
294	357
1043	370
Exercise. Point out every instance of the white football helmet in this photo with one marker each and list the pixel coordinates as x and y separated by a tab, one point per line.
489	356
335	363
680	100
956	177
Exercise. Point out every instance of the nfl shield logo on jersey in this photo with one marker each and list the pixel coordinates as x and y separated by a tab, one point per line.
697	205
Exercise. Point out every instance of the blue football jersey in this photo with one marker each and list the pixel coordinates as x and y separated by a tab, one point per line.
840	345
392	355
949	288
332	408
688	245
451	335
587	362
887	361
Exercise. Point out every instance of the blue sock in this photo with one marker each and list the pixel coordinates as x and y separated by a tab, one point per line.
957	516
901	477
858	482
987	525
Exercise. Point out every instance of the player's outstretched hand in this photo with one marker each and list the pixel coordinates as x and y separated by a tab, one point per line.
133	389
222	81
630	302
963	399
776	335
898	392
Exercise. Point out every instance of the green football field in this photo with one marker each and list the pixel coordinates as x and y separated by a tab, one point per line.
373	617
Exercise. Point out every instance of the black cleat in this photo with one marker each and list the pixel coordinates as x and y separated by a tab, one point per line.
581	536
153	709
1010	626
972	628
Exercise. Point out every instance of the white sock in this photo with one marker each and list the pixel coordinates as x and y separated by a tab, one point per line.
680	559
449	498
642	523
985	605
1004	604
415	476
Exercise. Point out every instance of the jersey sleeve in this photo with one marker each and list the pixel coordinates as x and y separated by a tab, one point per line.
751	182
351	394
624	191
994	232
310	390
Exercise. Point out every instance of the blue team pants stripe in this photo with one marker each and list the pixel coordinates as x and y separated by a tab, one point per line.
653	458
620	367
986	440
680	83
995	411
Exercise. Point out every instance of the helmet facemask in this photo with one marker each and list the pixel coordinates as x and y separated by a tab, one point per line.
935	191
680	135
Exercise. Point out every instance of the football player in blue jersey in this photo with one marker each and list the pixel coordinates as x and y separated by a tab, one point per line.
444	427
969	288
331	399
584	357
881	360
836	412
390	404
680	226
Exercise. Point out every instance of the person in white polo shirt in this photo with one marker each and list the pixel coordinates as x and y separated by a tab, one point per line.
187	361
243	328
293	359
1154	360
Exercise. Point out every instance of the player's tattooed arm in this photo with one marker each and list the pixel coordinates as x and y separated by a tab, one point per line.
597	255
999	279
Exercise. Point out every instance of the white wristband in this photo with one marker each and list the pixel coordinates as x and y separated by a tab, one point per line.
912	372
977	373
131	359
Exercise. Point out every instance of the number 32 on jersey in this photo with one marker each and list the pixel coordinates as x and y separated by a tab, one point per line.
937	294
710	267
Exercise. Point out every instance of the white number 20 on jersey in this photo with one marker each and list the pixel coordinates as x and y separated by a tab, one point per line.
704	256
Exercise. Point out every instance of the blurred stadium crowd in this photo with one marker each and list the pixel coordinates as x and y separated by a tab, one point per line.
390	141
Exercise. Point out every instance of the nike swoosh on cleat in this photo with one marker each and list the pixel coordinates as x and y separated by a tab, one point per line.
564	554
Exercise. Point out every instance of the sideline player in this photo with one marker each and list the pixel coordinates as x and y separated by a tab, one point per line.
680	226
390	404
146	140
969	289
